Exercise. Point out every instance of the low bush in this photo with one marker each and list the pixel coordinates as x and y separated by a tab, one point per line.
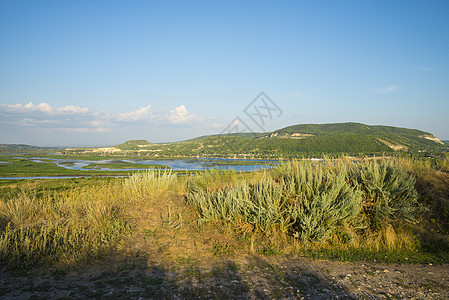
388	193
312	202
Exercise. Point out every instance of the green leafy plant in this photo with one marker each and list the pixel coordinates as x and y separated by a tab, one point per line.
388	193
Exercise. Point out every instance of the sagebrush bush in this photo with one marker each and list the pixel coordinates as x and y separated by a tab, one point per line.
310	201
259	203
388	193
301	200
319	199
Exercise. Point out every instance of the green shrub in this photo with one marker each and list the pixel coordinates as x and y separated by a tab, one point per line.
259	204
388	193
319	199
310	201
305	201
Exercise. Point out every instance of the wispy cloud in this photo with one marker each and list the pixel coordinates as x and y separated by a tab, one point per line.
84	129
218	125
386	90
425	69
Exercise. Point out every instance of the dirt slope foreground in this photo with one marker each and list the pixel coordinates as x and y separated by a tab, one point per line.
252	277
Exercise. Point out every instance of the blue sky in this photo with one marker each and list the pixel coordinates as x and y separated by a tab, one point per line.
102	72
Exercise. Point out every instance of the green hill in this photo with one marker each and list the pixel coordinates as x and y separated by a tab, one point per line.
394	138
350	127
316	139
299	140
18	147
249	135
134	145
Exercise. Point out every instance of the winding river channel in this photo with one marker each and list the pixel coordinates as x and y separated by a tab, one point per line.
187	164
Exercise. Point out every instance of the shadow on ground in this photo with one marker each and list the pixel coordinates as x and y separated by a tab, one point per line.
255	278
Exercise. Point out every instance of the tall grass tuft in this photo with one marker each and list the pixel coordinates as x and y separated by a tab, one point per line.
68	227
148	184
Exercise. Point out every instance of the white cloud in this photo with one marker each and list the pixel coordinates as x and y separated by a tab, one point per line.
84	129
70	118
46	119
43	107
181	115
236	122
100	123
137	115
73	109
386	90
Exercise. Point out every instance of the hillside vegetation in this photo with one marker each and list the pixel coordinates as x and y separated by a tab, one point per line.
305	140
133	145
17	147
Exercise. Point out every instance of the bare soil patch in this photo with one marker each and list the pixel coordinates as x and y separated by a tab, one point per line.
249	277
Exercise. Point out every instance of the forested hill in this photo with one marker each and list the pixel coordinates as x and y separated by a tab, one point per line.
299	140
346	128
133	145
395	138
